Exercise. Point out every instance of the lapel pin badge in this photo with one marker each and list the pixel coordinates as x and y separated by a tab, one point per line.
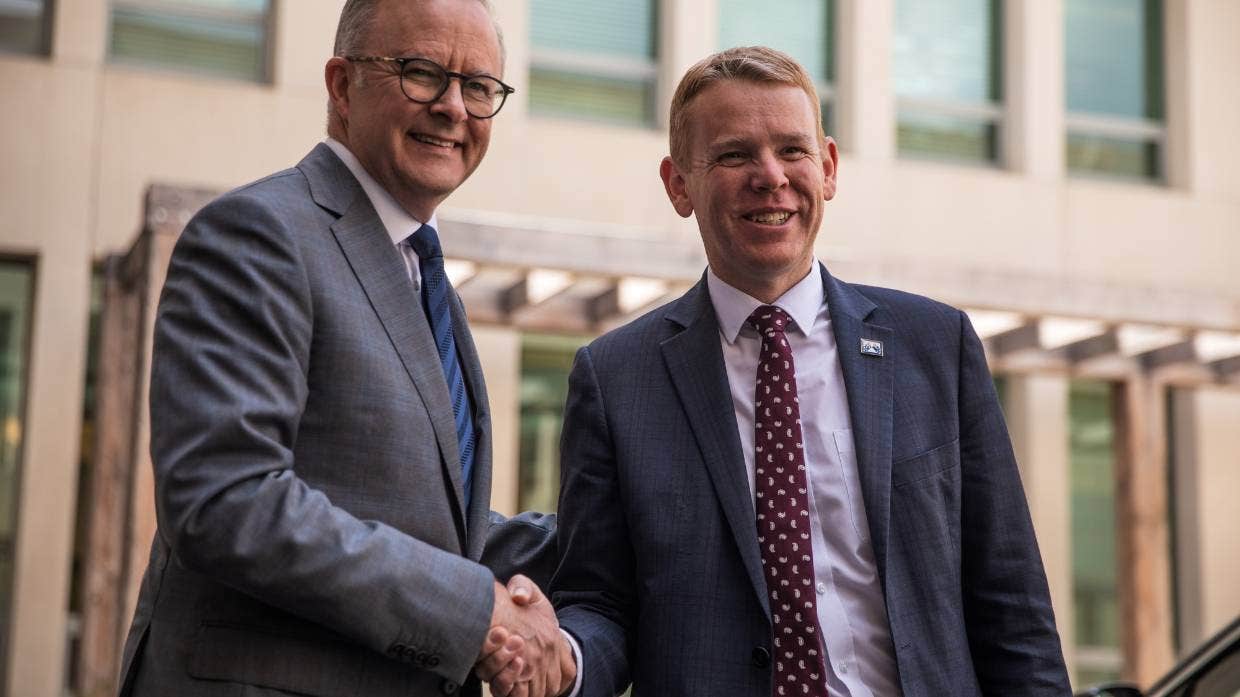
870	347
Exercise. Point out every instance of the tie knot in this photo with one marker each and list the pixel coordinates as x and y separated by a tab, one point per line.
769	320
425	242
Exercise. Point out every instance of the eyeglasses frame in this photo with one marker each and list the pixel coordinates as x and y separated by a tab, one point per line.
403	61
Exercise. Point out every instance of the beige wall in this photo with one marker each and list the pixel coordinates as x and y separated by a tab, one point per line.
81	141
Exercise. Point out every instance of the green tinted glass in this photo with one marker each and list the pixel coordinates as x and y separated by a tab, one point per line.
545	364
560	93
571	74
217	37
15	294
594	26
1094	562
1113	62
946	137
947	50
23	26
1140	159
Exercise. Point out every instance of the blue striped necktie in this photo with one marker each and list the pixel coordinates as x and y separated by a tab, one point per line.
435	300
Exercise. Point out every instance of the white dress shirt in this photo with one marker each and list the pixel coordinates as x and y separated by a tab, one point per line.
852	613
396	220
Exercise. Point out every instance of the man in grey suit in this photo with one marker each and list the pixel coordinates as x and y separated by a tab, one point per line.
781	483
319	422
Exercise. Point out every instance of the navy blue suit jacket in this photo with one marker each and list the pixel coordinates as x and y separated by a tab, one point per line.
660	578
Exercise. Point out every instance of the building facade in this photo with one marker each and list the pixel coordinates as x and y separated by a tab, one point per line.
1066	170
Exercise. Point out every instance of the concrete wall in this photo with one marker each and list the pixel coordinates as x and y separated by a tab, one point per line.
82	139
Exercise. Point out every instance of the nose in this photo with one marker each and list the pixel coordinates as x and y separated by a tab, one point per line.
451	103
768	173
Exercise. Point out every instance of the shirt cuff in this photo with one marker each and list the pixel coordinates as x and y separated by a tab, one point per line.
572	643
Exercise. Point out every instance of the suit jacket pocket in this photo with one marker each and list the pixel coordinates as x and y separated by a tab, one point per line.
925	465
313	666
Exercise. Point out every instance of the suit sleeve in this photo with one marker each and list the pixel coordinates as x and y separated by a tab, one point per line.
233	341
593	588
522	544
1010	623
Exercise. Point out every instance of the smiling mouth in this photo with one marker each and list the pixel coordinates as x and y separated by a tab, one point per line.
431	140
777	218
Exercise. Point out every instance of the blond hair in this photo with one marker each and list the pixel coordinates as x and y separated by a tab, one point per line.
752	63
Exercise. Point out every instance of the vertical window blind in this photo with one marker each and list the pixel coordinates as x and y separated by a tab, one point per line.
594	59
1114	81
225	38
946	73
24	26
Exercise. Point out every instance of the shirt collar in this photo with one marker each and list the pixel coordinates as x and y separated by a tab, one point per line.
733	307
396	220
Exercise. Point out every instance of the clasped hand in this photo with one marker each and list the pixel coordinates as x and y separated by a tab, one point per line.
525	654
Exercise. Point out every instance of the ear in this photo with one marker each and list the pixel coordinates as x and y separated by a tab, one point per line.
830	168
337	76
675	185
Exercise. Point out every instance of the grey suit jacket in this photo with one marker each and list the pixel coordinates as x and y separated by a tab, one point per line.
661	578
312	533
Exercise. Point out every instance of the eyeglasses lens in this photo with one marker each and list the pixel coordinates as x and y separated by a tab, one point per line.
425	81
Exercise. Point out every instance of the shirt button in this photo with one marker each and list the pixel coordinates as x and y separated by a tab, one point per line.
843	668
822	588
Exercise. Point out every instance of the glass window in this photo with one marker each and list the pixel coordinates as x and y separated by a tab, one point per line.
1094	561
24	25
546	361
946	63
225	38
1114	80
800	28
594	59
15	293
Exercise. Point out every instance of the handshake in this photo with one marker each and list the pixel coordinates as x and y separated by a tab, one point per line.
525	654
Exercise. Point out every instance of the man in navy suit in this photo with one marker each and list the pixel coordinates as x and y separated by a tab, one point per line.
781	483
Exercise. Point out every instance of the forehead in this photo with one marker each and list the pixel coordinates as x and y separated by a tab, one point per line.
746	110
459	34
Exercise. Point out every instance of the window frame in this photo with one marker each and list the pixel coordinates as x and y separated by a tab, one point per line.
47	18
1138	131
266	24
992	114
645	71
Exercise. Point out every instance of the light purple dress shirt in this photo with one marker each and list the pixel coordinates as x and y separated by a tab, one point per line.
851	610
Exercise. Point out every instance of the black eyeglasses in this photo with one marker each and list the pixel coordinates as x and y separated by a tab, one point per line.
425	81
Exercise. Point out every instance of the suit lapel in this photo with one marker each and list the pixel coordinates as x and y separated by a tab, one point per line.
480	495
385	280
695	363
868	381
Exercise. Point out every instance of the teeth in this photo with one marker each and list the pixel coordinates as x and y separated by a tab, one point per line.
433	141
770	218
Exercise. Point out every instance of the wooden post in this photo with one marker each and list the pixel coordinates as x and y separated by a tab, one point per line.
1142	527
120	496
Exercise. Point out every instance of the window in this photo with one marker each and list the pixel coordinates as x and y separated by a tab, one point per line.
546	361
1094	560
800	28
25	25
226	38
1114	80
594	59
15	292
946	63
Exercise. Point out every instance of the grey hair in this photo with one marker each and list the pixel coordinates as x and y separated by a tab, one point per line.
357	16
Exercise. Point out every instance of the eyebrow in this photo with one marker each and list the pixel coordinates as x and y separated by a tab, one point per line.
744	143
